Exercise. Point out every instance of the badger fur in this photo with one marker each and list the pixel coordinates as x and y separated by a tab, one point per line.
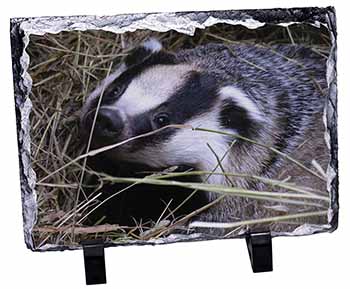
272	95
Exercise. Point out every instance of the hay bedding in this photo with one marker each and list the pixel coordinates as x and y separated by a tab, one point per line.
65	68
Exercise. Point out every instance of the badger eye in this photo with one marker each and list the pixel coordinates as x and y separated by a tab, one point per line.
114	93
161	120
118	90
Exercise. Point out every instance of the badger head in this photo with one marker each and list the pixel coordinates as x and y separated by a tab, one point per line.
153	88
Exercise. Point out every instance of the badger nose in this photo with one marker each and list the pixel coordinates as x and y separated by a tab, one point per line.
108	122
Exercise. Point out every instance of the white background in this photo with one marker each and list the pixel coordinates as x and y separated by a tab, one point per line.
319	261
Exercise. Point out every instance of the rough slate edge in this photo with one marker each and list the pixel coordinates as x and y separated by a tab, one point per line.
185	22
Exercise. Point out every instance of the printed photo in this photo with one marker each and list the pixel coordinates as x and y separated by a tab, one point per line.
146	137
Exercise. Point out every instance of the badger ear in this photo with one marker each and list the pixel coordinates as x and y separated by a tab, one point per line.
152	45
239	112
151	48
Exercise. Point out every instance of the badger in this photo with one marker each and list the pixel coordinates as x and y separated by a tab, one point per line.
273	95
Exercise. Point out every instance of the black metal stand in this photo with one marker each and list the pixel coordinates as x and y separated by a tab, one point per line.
94	260
260	251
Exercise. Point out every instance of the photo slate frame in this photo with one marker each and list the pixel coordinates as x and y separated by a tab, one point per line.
32	31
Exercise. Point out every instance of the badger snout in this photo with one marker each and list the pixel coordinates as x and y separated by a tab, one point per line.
109	123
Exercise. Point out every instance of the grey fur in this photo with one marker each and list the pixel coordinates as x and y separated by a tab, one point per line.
265	74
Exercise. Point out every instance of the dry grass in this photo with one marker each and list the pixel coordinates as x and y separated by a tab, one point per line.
65	68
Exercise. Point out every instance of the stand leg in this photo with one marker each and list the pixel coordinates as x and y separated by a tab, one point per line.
94	260
260	251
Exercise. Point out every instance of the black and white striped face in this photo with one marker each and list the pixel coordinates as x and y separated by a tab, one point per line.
151	89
